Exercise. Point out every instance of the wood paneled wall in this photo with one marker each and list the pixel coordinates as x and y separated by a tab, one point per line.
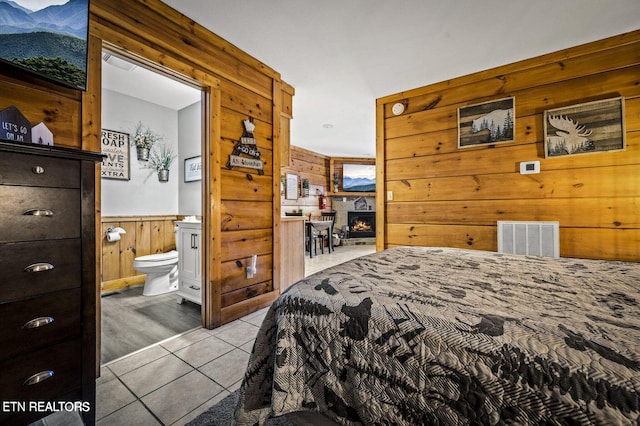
315	167
241	217
144	235
445	196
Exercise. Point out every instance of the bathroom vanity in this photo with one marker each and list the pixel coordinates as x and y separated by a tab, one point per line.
188	243
48	282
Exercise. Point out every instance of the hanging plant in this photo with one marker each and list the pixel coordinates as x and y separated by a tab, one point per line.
144	139
160	160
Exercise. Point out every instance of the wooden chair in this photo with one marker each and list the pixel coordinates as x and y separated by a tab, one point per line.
326	216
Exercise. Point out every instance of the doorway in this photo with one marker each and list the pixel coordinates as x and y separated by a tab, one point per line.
141	97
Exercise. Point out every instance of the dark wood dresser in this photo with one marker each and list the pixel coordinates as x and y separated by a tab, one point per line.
47	282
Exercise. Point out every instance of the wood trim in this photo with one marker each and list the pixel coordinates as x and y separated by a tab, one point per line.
380	180
122	283
213	232
277	157
138	218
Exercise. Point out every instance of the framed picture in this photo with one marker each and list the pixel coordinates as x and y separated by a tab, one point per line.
291	187
487	123
115	147
359	177
586	128
193	169
48	38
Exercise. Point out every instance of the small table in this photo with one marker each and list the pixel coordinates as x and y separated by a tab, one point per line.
320	226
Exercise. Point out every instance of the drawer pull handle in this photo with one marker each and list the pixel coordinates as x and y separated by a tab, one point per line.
38	170
38	322
38	377
39	267
38	212
193	287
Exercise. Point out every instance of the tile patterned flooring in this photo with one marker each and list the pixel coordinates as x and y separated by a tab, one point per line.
172	382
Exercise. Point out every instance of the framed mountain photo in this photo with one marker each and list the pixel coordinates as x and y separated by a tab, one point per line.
47	38
359	177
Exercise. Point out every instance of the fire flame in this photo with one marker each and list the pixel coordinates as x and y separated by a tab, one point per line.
361	226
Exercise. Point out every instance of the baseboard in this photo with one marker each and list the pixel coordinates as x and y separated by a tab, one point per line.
122	283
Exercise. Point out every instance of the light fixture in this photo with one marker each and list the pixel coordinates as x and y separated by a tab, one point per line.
327	126
118	62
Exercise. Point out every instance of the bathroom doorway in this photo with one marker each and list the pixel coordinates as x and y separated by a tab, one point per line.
140	207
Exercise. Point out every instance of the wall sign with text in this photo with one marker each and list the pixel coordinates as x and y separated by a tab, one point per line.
248	147
115	147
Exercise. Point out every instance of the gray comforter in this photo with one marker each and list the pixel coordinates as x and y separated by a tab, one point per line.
413	336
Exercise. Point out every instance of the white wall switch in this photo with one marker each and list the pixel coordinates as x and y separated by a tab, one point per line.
529	167
389	195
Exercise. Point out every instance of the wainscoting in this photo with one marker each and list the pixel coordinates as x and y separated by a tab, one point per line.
144	235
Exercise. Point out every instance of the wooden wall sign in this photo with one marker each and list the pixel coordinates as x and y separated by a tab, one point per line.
486	123
115	145
590	127
14	126
41	135
247	146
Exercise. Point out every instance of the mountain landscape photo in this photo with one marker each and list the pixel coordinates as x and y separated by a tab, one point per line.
51	41
359	178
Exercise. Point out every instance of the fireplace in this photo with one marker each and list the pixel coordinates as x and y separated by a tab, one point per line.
362	224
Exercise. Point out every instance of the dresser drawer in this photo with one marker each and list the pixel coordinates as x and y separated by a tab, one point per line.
39	267
42	375
32	213
31	170
37	322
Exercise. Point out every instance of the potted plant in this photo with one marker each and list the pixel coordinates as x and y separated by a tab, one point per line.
144	139
160	160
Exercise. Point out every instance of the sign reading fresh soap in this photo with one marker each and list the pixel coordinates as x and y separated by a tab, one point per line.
115	147
246	146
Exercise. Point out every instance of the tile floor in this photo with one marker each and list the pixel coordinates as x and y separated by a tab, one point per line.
172	382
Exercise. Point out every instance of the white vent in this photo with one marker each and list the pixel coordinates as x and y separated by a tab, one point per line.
532	238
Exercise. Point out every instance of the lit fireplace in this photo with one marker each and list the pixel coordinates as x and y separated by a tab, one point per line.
362	224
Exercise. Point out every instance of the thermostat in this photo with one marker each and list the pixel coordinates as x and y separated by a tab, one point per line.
529	167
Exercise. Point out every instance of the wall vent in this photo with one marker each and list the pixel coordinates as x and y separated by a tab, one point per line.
531	238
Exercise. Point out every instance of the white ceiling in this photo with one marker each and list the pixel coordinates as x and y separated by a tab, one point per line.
341	55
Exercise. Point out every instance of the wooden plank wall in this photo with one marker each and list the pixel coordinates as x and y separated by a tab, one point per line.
237	86
240	216
144	235
315	167
445	196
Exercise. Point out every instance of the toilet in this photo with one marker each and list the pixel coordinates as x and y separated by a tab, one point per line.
161	270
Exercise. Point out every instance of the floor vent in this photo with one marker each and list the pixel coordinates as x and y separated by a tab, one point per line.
532	238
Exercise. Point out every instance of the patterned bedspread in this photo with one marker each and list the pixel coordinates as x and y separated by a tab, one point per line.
421	336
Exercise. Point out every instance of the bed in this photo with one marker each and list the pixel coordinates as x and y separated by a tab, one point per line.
415	335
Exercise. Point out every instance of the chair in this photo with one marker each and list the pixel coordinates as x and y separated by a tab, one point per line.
326	216
310	237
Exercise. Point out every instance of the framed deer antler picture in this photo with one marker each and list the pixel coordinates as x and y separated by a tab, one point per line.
586	128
